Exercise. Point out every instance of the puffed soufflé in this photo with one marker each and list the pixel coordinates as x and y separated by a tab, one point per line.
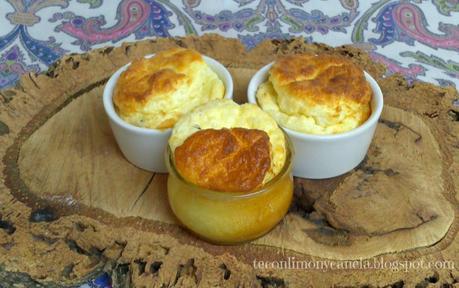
219	114
316	94
229	171
155	92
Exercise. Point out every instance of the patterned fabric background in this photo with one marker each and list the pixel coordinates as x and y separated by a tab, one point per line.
417	38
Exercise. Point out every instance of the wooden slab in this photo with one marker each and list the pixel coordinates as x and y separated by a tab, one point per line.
59	153
393	202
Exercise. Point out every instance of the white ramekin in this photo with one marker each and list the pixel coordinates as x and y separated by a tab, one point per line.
326	156
145	147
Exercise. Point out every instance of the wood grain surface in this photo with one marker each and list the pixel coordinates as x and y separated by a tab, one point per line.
393	202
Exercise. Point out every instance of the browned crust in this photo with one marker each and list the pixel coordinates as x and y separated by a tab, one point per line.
321	78
230	160
147	78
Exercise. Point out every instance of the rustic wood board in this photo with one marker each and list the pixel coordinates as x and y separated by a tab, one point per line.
58	152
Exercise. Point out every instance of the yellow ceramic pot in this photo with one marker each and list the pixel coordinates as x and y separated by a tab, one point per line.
230	217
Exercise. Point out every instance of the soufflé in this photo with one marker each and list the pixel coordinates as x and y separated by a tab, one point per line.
155	92
228	147
230	174
316	94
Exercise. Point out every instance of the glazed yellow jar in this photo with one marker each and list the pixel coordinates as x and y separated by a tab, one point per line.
230	217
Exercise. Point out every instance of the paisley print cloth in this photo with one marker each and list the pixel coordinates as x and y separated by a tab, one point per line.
417	38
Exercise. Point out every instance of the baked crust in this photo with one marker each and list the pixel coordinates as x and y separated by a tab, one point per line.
155	92
232	160
320	79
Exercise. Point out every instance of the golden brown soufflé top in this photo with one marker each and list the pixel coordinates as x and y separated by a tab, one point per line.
223	146
320	79
235	159
155	92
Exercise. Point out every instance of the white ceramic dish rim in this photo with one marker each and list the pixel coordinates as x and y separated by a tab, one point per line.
374	117
110	108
